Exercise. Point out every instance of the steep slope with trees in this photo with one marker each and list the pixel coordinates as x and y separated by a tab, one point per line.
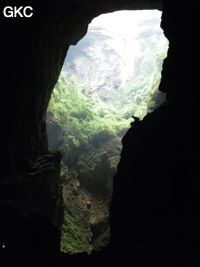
91	108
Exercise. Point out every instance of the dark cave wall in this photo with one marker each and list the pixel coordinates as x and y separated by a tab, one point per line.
32	52
31	63
156	188
181	68
154	213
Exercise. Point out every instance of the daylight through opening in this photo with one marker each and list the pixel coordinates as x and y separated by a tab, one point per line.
109	79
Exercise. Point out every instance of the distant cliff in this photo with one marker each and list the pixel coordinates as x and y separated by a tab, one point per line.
112	56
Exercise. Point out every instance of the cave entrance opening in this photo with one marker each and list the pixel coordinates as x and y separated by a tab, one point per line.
109	78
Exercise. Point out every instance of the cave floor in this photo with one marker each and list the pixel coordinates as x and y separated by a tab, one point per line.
99	259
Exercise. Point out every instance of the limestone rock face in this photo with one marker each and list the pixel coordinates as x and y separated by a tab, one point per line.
112	53
158	174
38	186
158	98
54	133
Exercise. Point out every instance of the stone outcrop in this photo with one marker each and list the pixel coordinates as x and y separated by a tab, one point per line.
157	99
157	184
55	133
38	186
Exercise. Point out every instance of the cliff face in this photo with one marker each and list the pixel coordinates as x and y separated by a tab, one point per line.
125	49
160	164
166	181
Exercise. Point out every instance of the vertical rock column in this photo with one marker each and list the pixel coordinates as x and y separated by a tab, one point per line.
154	214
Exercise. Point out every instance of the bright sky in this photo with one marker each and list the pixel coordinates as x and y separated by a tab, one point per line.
123	27
124	20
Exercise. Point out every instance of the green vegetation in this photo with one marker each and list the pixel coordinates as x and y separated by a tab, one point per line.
75	236
87	121
93	128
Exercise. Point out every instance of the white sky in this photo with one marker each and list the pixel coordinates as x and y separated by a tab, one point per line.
123	20
123	28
